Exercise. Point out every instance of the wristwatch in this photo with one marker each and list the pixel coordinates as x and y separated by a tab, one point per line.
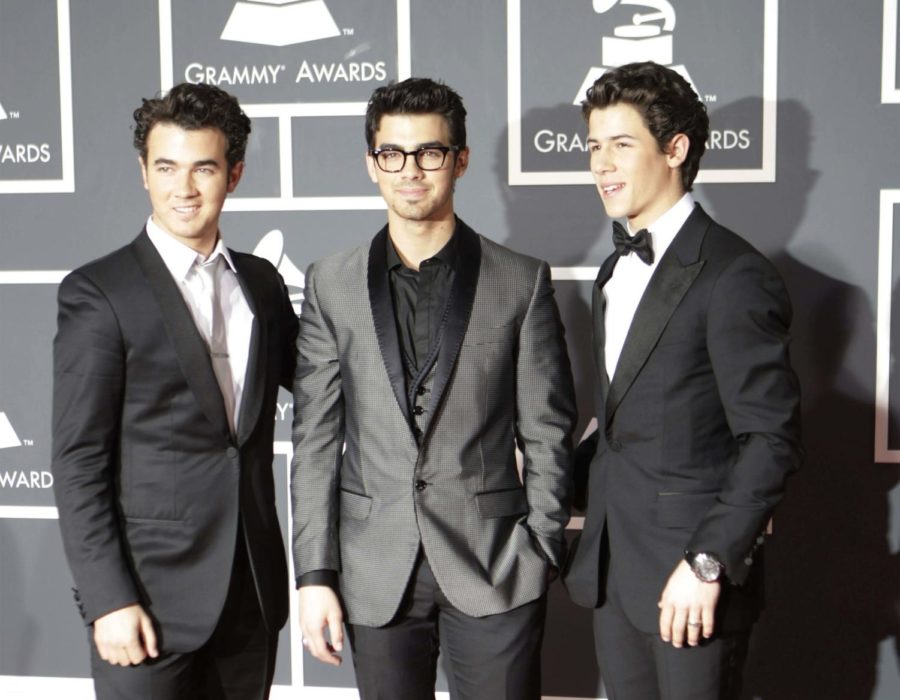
705	566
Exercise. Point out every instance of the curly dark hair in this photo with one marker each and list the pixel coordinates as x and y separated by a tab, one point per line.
195	106
666	101
417	96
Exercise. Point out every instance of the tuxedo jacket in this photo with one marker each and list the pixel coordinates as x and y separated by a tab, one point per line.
367	494
149	481
698	427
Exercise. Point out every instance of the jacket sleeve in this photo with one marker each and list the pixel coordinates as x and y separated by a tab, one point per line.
545	418
88	380
318	436
747	339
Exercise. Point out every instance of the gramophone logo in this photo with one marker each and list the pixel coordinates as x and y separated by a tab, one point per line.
649	37
721	42
294	65
8	437
280	22
3	114
271	248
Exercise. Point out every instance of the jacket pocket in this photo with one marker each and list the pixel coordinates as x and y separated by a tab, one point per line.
679	509
355	505
500	504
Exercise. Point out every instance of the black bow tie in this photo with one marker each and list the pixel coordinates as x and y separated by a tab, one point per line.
641	243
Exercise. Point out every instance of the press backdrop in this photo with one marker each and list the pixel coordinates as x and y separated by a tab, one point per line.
804	98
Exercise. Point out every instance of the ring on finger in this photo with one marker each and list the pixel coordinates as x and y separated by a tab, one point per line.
694	623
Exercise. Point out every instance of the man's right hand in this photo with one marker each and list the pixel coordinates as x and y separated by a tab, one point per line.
320	608
125	637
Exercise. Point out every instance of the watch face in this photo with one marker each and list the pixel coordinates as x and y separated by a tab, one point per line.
706	567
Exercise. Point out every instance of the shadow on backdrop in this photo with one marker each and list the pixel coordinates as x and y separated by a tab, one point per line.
831	581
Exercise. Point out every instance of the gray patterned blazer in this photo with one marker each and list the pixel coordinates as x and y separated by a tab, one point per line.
502	379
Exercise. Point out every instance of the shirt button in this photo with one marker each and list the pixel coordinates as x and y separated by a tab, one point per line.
417	432
748	561
421	485
418	410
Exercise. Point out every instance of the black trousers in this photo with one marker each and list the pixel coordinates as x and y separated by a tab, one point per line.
488	658
236	663
635	665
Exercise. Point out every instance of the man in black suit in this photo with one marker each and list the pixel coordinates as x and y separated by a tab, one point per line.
167	363
697	407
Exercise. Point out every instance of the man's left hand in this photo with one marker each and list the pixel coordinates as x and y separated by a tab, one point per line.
687	607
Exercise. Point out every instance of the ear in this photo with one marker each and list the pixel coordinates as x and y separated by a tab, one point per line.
461	163
234	176
677	150
143	172
371	167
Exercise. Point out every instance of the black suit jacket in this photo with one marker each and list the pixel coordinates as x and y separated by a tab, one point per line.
699	426
149	482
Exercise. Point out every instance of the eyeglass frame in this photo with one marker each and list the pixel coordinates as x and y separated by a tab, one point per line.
375	152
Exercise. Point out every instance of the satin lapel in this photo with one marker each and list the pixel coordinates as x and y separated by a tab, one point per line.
189	346
462	296
254	378
384	319
676	273
598	311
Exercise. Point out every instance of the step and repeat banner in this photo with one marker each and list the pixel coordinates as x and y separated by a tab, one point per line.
804	100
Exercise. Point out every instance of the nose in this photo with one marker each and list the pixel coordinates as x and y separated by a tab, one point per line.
411	167
600	160
185	186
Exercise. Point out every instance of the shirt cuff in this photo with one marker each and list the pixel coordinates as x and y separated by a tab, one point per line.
319	577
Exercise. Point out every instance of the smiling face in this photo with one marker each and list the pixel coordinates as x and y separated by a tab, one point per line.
634	178
188	178
414	195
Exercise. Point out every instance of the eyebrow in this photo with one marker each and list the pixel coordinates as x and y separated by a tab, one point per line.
398	147
615	137
195	164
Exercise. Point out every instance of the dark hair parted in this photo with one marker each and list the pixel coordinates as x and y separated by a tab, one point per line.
195	106
417	96
666	101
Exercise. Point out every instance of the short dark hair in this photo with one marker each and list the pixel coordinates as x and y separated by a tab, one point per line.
417	96
195	106
666	101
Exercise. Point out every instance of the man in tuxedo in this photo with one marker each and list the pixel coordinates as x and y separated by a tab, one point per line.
424	359
697	407
167	362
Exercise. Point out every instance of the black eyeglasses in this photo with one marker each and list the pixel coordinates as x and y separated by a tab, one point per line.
393	160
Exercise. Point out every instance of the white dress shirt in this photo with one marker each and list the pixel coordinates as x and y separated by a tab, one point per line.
623	291
180	260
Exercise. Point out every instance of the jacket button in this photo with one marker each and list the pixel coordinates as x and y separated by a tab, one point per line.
418	410
421	485
421	391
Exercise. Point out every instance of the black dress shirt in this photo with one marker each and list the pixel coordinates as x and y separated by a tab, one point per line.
420	299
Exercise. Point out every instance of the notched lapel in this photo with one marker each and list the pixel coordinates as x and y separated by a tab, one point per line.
462	296
190	349
254	379
676	273
384	319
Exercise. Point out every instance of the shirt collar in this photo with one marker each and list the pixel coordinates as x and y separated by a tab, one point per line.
447	255
178	257
667	226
